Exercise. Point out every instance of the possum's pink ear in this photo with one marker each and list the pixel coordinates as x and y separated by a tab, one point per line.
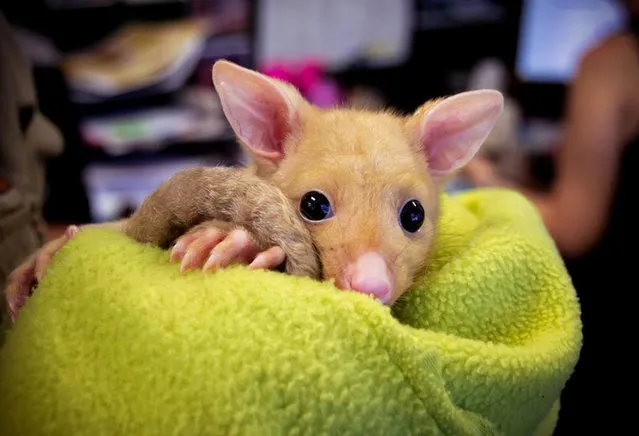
452	131
262	111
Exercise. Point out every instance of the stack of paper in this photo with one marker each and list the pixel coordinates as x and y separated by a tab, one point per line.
138	57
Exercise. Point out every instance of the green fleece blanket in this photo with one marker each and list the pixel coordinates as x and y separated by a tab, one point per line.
116	342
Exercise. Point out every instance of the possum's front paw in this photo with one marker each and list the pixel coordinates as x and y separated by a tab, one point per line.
210	246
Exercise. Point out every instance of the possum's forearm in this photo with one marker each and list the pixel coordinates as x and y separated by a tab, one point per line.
230	195
187	199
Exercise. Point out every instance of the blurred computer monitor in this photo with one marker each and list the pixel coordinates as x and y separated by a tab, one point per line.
554	34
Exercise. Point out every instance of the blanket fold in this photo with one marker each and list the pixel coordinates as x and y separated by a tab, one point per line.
115	341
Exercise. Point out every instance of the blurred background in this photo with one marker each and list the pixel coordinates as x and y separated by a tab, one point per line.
128	82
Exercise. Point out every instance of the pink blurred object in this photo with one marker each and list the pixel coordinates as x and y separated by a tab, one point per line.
308	77
308	74
324	94
278	71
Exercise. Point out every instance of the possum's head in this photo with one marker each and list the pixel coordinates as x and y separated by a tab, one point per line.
367	183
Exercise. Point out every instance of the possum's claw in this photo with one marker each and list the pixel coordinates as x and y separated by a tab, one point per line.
237	246
271	258
194	248
25	277
211	248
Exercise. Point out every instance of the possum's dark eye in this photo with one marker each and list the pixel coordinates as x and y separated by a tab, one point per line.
411	216
315	206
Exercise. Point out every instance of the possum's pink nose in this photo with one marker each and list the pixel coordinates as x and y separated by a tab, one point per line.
369	275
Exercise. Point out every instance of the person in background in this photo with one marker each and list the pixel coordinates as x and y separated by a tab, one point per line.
27	140
589	212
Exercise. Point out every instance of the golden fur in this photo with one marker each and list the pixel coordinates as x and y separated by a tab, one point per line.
367	165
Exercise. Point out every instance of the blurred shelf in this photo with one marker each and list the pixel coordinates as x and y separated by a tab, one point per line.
188	123
92	4
227	148
120	147
115	190
176	112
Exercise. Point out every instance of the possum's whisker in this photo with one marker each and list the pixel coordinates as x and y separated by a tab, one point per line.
394	262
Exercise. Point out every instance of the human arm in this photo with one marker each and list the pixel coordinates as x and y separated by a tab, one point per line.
575	210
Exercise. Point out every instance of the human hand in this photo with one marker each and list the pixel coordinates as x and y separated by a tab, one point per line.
25	277
481	172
